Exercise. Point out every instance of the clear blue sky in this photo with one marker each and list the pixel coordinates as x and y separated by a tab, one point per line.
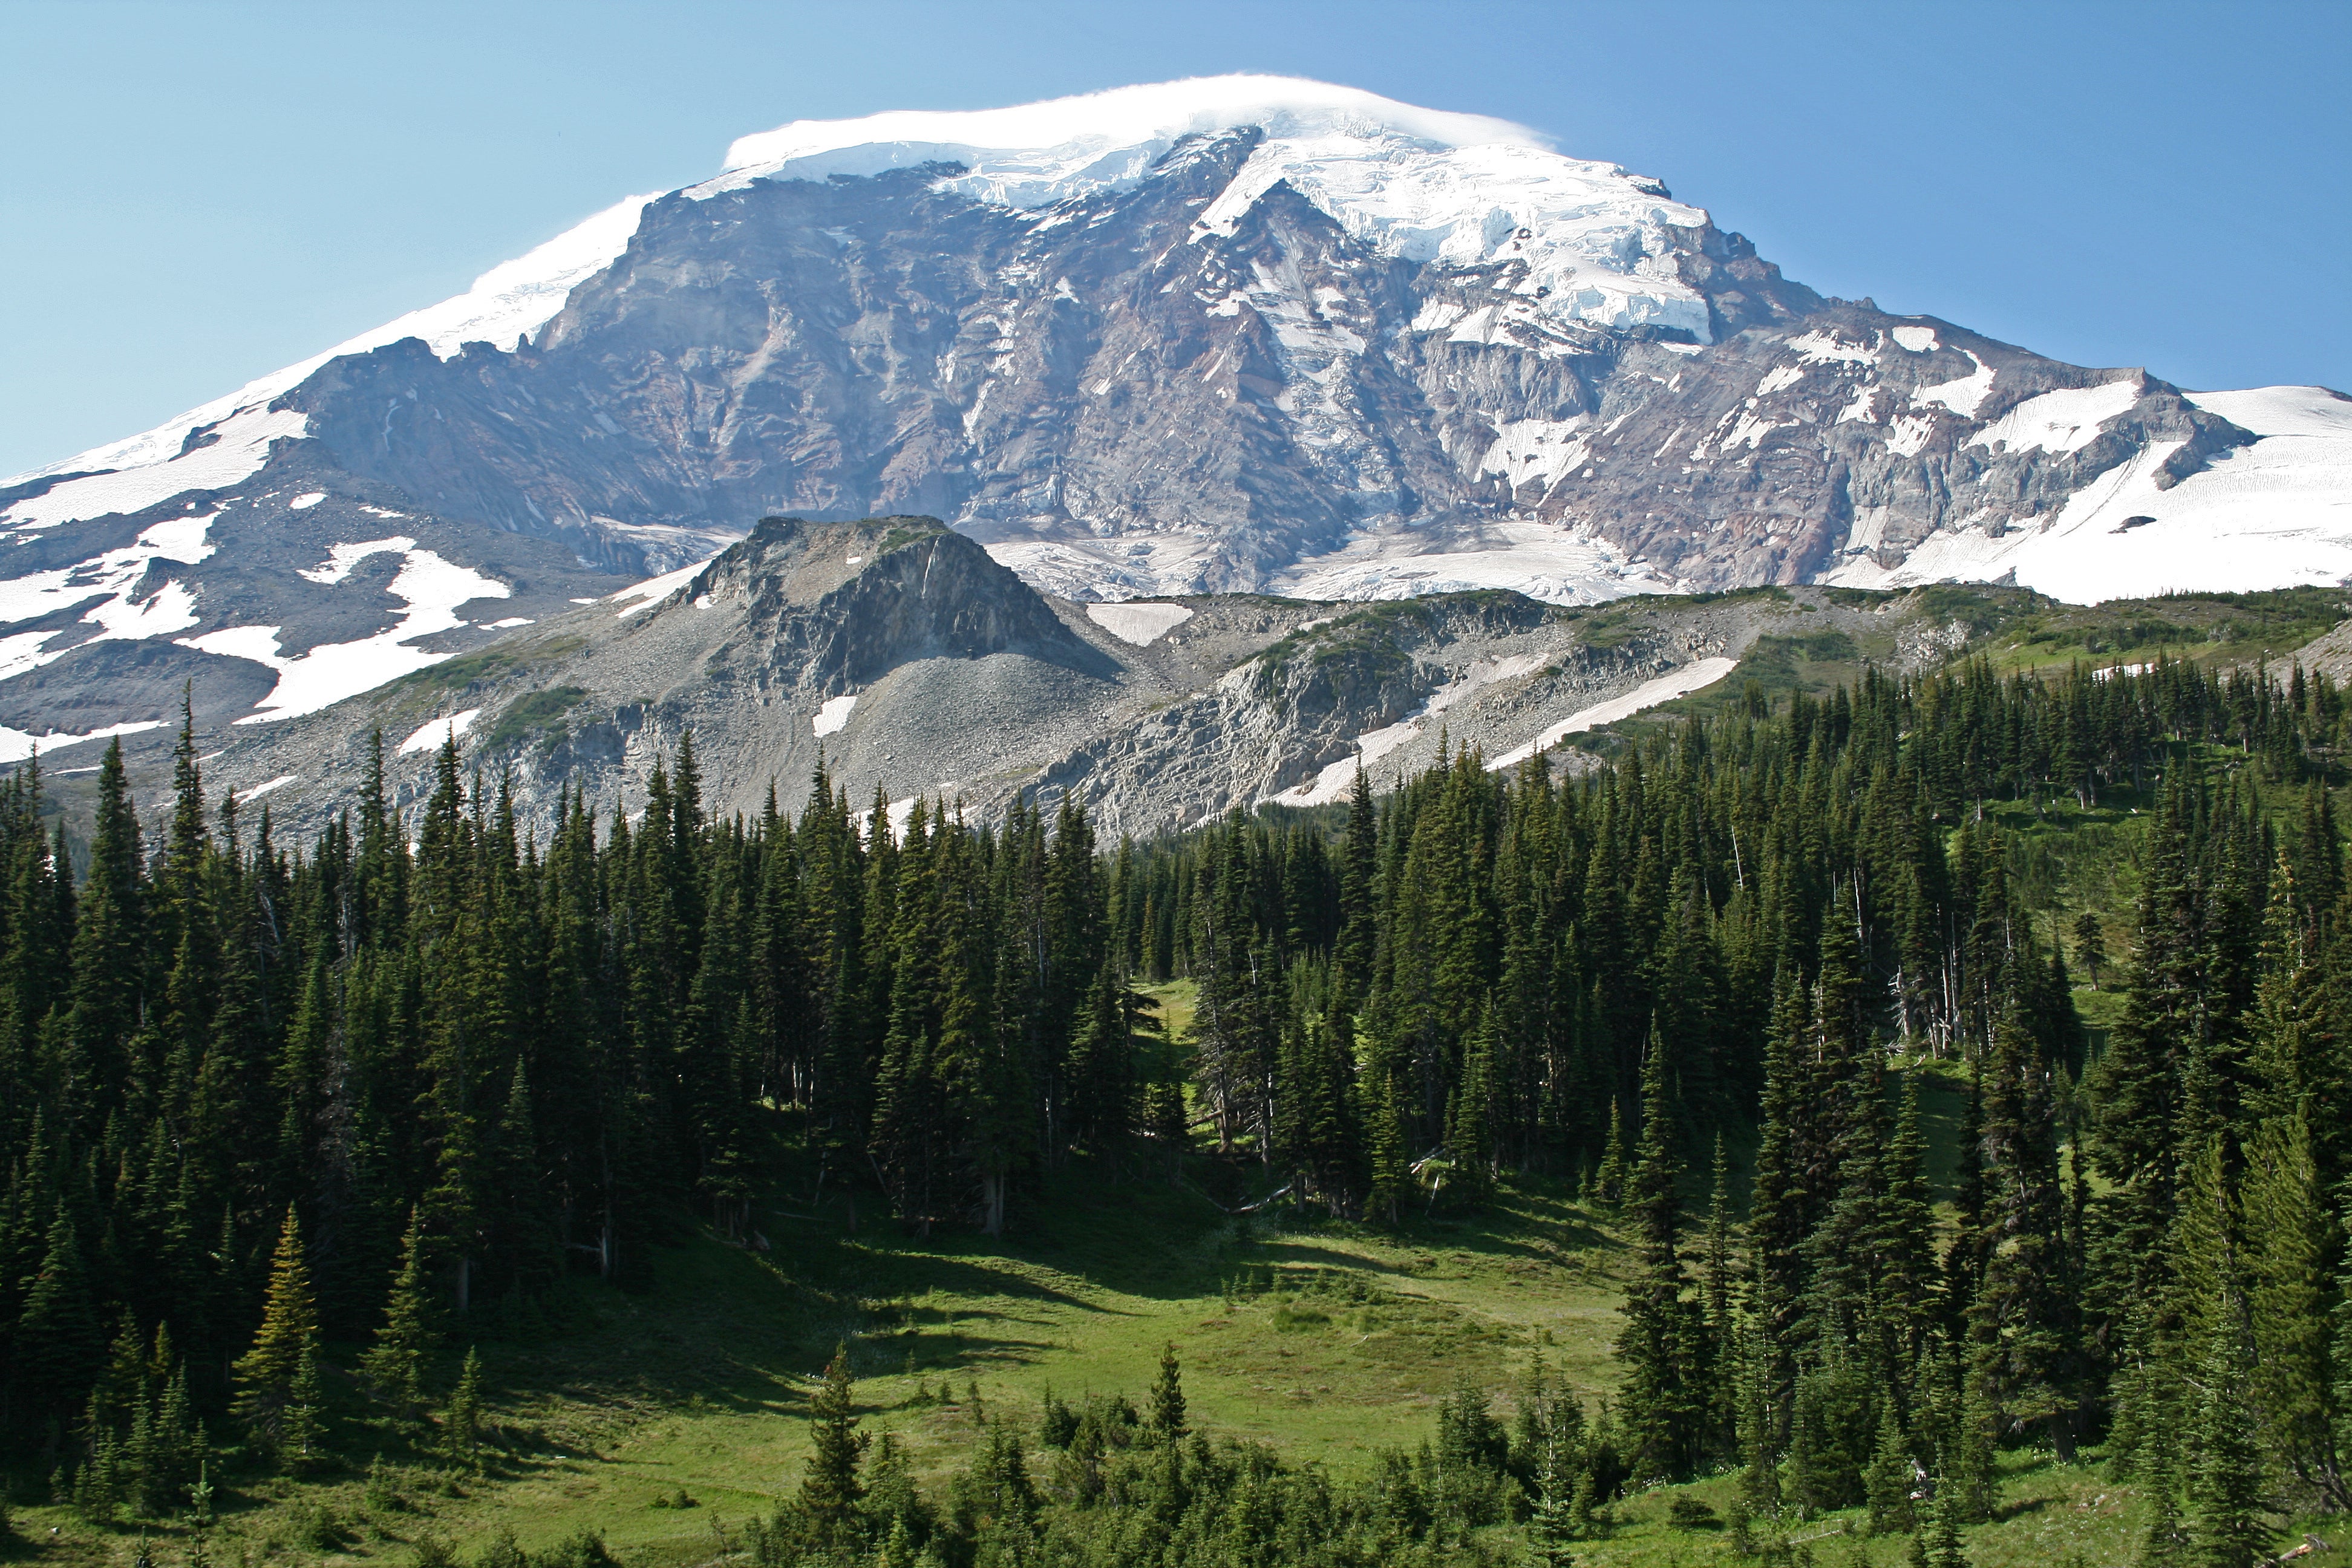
194	193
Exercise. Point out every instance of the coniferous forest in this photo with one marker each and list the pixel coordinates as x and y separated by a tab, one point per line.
282	1119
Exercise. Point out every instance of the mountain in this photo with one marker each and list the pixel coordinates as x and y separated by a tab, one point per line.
1246	335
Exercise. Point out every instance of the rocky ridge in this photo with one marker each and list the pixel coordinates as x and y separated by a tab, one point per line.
896	650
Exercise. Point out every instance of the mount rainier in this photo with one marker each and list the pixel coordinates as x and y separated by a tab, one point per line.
1240	335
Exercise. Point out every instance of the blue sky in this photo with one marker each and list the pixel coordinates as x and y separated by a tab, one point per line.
192	194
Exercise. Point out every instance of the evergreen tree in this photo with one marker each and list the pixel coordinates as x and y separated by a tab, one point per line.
394	1365
276	1378
1663	1344
1165	1420
830	1488
461	1422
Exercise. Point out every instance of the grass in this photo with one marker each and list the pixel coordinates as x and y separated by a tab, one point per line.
1329	1338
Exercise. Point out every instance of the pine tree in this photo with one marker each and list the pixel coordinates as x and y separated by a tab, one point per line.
271	1396
830	1489
395	1366
1609	1181
1552	1524
1663	1343
461	1422
1164	1420
2090	945
2225	1489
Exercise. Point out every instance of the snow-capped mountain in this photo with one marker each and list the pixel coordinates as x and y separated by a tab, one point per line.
1243	333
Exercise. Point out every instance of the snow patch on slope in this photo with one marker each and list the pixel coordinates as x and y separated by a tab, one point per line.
2276	512
1554	564
653	590
1141	625
833	715
2064	421
241	448
431	588
1648	694
15	745
111	579
1337	779
433	733
1523	449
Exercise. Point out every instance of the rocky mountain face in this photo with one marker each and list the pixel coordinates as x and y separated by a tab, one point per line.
897	653
1237	337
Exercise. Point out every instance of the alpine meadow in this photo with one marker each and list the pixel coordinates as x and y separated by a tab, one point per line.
1769	1023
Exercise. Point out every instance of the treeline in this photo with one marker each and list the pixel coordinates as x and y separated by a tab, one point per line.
440	1051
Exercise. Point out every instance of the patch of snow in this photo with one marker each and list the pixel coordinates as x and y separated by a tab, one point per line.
1457	189
2276	512
1779	376
653	590
343	560
1918	339
1557	565
430	587
834	714
305	502
1907	434
1963	397
1859	409
431	734
1523	449
245	435
258	790
1819	347
2064	421
1691	678
15	745
109	578
1141	625
508	625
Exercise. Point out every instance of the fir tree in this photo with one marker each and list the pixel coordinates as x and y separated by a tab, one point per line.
1664	1341
276	1378
1164	1418
461	1422
831	1488
394	1365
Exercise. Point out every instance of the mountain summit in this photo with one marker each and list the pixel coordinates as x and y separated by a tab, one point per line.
1243	333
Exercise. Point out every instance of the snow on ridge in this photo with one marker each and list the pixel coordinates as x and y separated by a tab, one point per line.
1090	141
1427	186
2066	420
505	302
653	590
